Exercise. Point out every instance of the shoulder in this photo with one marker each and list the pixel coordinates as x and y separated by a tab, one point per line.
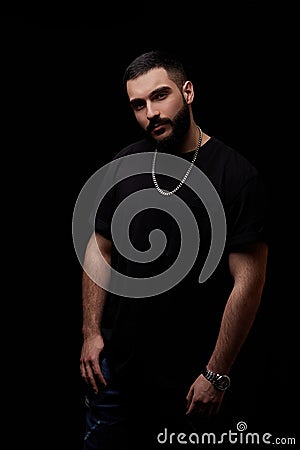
143	145
231	159
229	168
232	173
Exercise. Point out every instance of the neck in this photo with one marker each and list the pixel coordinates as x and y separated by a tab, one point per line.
190	142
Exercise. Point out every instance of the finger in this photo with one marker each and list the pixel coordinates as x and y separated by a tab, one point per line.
191	409
99	375
90	378
216	408
189	397
82	371
211	411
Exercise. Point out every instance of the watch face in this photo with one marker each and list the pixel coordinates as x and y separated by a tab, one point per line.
222	382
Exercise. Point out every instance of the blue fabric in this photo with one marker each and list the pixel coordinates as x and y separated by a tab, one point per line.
106	416
127	417
131	416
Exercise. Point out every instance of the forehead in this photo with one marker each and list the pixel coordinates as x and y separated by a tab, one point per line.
142	86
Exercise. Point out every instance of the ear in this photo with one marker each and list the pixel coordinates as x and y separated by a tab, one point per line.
188	92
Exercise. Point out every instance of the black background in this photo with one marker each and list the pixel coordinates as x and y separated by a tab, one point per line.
66	115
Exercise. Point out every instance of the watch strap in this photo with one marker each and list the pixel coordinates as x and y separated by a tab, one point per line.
218	380
211	376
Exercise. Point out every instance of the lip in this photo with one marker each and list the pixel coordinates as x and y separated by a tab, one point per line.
158	130
157	127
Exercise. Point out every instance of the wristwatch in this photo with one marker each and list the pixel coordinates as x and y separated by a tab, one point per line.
220	382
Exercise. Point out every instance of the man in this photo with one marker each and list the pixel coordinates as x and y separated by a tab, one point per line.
160	363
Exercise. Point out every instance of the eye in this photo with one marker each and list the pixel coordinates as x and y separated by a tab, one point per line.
137	106
160	96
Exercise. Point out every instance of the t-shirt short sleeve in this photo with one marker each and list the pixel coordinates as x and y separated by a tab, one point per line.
104	215
247	215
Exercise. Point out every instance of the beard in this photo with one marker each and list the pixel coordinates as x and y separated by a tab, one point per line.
180	124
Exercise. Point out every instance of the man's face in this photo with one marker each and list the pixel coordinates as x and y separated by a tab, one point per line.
159	108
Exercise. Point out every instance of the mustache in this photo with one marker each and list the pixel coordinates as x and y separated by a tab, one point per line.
156	123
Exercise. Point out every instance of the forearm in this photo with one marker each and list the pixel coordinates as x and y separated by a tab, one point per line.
237	320
93	297
94	280
248	270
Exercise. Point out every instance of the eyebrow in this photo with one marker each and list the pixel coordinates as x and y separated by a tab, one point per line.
136	101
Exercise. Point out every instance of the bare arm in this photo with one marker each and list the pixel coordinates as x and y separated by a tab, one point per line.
248	270
95	275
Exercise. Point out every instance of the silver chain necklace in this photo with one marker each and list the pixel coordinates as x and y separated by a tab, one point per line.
164	192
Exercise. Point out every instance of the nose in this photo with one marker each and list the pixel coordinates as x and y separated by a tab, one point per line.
152	112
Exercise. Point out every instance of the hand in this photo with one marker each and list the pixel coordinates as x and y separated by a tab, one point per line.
89	362
203	398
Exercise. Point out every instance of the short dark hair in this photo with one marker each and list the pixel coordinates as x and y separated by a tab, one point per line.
156	59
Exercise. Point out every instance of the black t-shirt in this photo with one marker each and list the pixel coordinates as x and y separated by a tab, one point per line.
169	337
